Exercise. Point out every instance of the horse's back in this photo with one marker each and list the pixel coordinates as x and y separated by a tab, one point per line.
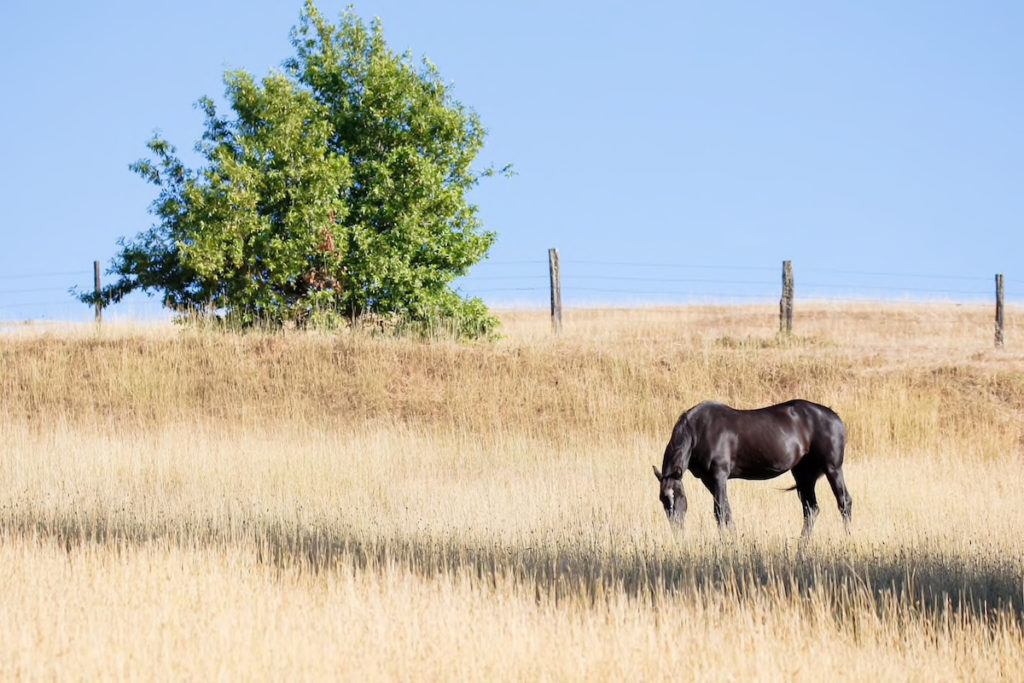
819	419
809	427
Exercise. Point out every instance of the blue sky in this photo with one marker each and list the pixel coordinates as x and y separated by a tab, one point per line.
672	152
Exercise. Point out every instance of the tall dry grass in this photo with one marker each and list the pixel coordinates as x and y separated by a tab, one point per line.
186	504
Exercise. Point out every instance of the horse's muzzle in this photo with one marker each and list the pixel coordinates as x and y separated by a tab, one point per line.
675	516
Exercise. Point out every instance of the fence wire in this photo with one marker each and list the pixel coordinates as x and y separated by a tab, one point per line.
526	282
586	281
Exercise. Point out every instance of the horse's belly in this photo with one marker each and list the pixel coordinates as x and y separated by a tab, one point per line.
766	460
749	472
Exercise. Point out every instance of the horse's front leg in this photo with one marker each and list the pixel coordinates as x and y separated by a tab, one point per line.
716	484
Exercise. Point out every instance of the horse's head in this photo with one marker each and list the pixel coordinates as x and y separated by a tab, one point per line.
670	477
671	494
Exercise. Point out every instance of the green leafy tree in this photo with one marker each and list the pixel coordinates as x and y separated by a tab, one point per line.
337	189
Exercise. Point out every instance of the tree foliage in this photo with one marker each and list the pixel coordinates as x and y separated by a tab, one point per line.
335	189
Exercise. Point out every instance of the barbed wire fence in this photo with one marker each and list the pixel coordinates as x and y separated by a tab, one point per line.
723	290
582	282
534	283
48	296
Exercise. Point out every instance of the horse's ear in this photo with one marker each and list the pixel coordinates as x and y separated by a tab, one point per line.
657	473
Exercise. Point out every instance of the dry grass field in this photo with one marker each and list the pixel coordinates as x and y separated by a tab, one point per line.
190	505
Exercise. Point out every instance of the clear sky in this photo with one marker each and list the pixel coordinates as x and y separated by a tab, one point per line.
870	142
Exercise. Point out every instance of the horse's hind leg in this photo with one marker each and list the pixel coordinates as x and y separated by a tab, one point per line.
805	480
838	484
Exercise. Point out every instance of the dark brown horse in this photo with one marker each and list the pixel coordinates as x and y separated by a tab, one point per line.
717	443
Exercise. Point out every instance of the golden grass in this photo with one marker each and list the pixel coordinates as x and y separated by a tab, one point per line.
183	504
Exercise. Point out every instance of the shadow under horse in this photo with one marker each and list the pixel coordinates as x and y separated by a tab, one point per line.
717	443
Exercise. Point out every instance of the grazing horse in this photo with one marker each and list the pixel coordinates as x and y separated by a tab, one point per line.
717	443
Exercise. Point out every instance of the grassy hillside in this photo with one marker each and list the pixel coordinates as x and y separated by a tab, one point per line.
199	504
906	378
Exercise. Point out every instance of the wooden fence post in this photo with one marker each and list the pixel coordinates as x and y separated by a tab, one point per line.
786	302
999	309
96	289
556	290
